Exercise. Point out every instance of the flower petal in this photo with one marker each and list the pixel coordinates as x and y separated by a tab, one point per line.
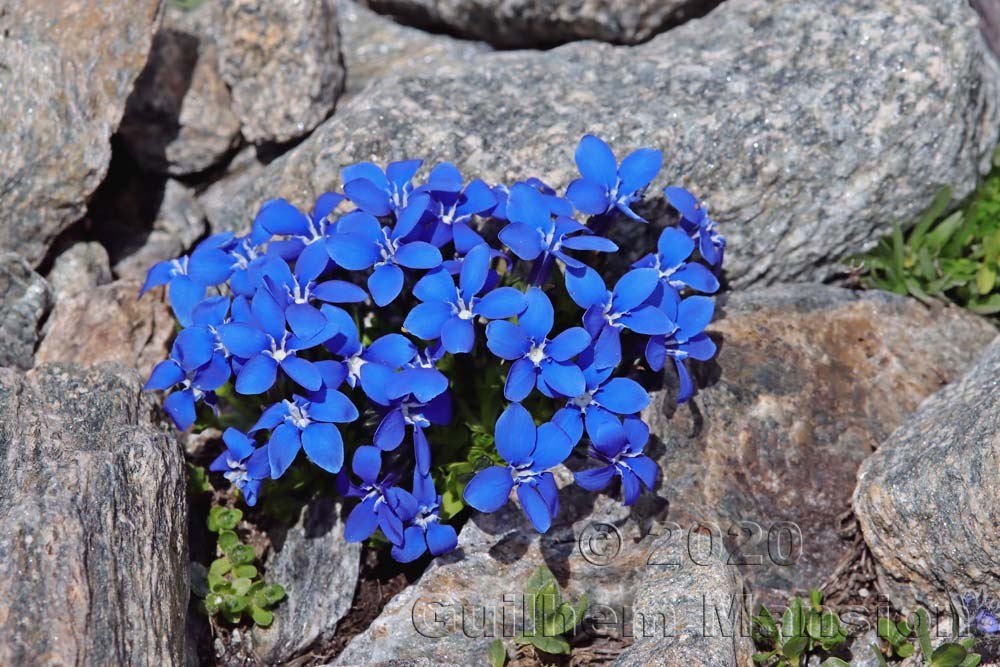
596	162
391	430
588	196
639	168
506	340
279	217
339	291
553	446
523	240
385	283
535	507
633	288
500	303
539	316
622	395
368	196
282	448
565	378
520	380
693	315
441	538
475	268
366	463
257	375
427	319
586	287
568	344
489	489
595	479
324	446
418	255
353	252
515	434
361	522
458	336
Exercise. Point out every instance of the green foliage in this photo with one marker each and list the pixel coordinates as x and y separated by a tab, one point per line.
955	257
498	654
552	617
805	627
900	644
234	588
186	4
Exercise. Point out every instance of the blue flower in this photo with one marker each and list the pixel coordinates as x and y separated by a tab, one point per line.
382	505
533	234
538	361
605	396
688	339
529	453
619	447
380	192
361	243
370	366
267	345
605	186
673	250
448	312
695	221
415	397
455	205
184	293
425	532
624	307
306	233
309	424
196	344
193	386
242	464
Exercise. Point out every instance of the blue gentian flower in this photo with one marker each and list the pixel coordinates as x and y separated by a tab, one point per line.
382	505
190	387
309	424
425	532
378	192
688	339
619	447
605	185
529	453
196	344
455	204
361	243
533	234
448	312
671	261
695	222
415	397
624	307
306	234
538	361
605	396
243	464
183	292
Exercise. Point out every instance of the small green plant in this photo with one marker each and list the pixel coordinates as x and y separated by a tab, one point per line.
498	654
805	627
552	617
233	584
955	257
949	654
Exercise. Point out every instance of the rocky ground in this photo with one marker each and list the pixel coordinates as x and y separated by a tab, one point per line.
841	437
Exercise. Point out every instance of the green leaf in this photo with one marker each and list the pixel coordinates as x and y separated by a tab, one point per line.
835	662
241	585
213	603
795	647
905	650
498	654
938	206
197	480
972	660
815	598
986	279
219	567
223	518
227	540
261	617
764	657
539	580
948	655
245	571
274	594
241	554
878	655
814	625
553	645
923	632
234	604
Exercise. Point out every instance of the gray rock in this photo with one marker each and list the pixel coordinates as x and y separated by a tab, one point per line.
281	59
808	381
374	46
926	499
690	613
807	130
80	268
110	323
178	120
93	522
989	16
467	598
179	223
66	69
535	23
241	173
319	571
25	299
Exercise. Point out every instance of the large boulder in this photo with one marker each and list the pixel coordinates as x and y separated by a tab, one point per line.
25	299
93	522
179	118
281	60
534	23
926	500
808	381
807	128
66	69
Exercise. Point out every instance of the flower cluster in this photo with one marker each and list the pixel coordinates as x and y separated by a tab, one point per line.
353	322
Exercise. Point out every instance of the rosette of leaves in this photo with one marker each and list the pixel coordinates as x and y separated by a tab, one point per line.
949	654
804	628
552	617
234	586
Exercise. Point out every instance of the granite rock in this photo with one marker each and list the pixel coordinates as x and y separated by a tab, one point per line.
25	299
539	23
66	69
93	522
374	46
808	128
110	323
926	499
179	119
808	381
80	268
319	571
281	60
